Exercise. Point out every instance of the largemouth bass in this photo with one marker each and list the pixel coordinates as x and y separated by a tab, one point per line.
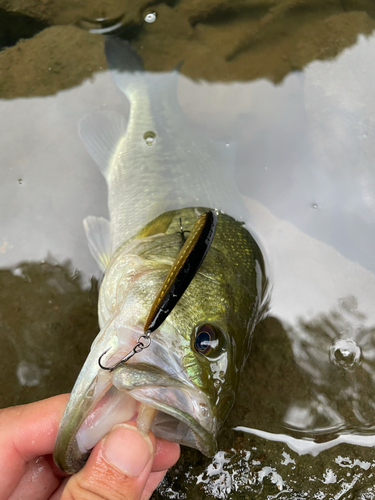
162	175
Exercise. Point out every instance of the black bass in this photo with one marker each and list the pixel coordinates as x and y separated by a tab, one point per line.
162	175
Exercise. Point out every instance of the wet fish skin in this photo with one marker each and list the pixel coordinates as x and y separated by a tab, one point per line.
165	182
227	292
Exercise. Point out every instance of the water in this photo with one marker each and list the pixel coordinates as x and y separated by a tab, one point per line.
303	150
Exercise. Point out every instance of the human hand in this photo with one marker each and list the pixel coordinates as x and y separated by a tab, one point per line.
124	465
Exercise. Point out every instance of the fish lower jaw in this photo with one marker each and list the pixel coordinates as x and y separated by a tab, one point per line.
164	420
173	425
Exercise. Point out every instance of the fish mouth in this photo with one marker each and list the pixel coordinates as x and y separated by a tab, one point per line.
182	413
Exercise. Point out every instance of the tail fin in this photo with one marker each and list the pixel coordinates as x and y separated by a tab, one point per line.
126	67
128	73
121	56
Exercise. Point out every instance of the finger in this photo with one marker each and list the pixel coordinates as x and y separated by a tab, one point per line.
153	482
166	455
38	482
117	469
27	432
57	494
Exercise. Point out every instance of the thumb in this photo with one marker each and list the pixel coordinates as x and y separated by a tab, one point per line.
117	469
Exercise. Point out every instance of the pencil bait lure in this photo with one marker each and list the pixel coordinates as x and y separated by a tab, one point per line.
182	272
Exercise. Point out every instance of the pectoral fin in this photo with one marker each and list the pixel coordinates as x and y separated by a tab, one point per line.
98	232
101	133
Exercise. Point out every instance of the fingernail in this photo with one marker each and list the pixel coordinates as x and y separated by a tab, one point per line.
128	450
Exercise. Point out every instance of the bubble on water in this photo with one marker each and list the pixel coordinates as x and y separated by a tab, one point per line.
348	303
314	206
149	137
150	17
345	353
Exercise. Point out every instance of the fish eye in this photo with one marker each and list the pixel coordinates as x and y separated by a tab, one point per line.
206	339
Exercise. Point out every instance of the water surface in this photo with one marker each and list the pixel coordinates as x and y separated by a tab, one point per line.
302	152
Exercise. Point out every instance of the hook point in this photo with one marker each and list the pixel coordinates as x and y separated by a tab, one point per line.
110	368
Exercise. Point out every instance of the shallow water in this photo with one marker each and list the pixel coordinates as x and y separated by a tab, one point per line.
303	424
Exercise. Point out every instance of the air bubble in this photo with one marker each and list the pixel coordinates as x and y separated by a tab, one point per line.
150	17
348	303
149	137
315	206
345	353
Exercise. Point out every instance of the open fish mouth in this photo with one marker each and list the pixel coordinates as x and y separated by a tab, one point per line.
143	393
184	414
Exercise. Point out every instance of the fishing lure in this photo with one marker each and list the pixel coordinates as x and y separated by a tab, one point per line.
183	270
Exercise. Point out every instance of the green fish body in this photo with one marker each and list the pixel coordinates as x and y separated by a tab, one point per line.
191	369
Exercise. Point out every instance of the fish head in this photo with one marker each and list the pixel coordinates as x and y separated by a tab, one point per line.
188	373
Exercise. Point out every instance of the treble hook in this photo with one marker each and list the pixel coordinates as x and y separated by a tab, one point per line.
183	270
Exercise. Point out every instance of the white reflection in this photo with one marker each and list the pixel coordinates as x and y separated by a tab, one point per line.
309	447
